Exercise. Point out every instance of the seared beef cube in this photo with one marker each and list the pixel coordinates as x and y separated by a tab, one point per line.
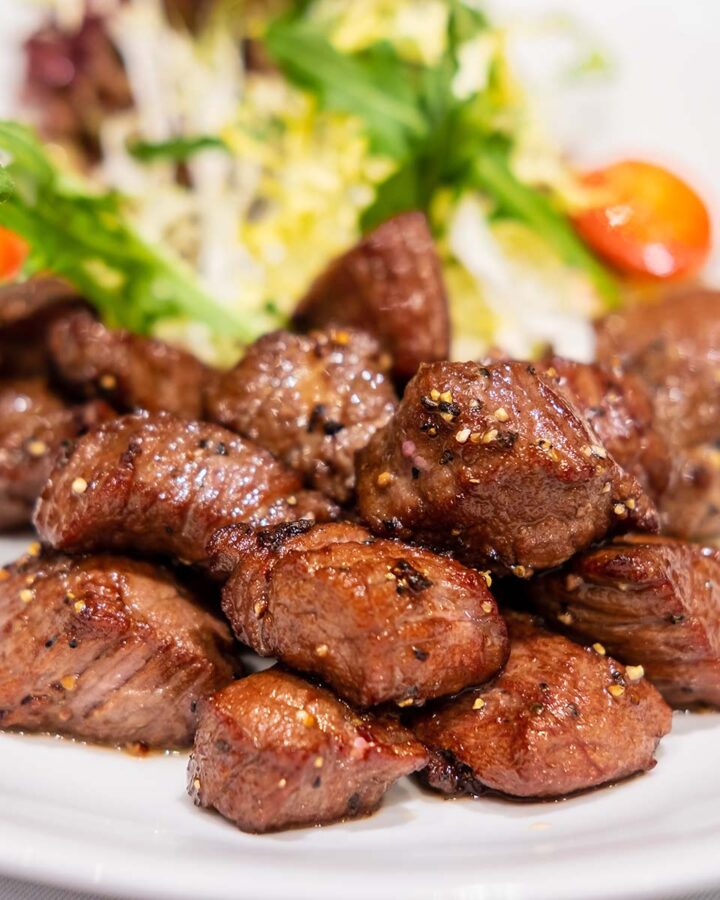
273	751
684	482
313	401
690	506
127	370
653	602
34	423
674	345
159	484
27	311
377	620
106	649
493	463
390	284
560	719
21	300
619	410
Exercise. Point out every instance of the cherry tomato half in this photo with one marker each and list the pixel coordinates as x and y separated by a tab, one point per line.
13	250
648	222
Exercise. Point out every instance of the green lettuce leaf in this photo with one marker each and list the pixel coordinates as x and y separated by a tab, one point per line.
492	174
375	85
177	149
86	238
438	140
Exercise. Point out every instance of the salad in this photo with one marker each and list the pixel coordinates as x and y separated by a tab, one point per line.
193	166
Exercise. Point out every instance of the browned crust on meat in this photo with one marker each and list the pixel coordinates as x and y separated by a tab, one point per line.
618	408
128	370
34	425
273	751
312	400
559	719
106	649
650	601
390	284
494	464
377	620
160	484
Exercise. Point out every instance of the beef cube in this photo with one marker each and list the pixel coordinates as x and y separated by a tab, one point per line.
129	371
106	649
273	751
34	425
390	284
559	719
650	601
378	620
690	506
313	401
494	464
618	408
674	345
160	484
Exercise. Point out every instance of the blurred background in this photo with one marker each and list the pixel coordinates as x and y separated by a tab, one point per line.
588	84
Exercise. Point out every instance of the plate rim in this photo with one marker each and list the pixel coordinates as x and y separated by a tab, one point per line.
659	867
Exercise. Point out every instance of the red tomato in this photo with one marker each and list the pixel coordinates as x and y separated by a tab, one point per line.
13	251
647	222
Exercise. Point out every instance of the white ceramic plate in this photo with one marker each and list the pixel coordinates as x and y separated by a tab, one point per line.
93	818
98	820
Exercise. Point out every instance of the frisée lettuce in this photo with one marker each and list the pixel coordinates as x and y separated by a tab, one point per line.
365	110
86	238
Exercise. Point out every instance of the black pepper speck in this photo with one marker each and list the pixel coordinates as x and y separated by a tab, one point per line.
408	578
506	439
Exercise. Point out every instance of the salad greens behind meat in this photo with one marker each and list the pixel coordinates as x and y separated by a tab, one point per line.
358	112
413	114
85	238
